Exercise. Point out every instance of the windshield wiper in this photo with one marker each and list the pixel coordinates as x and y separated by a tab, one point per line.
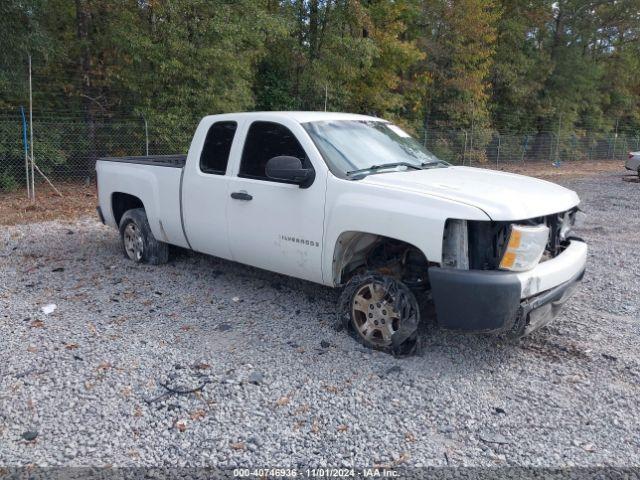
428	164
373	168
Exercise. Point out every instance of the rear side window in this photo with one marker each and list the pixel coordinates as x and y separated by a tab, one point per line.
266	140
217	145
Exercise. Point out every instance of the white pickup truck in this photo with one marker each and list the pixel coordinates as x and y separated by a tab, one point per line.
353	201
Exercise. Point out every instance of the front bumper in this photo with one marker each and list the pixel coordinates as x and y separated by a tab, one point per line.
538	311
498	301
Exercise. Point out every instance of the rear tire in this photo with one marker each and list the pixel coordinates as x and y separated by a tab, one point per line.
138	242
381	313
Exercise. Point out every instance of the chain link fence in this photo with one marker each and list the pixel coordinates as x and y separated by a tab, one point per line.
488	147
65	149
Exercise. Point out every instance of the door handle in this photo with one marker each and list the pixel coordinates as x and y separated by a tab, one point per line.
241	196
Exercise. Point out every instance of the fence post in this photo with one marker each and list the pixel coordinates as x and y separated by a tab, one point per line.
426	126
26	151
558	140
33	182
464	151
524	147
615	141
471	142
146	134
326	95
498	154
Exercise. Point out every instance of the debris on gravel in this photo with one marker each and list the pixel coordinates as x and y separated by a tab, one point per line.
30	435
158	365
489	437
256	378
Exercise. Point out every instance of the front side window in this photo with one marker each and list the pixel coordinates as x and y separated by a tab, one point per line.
353	145
217	145
264	141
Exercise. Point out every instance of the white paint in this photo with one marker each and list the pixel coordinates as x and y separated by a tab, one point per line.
554	272
503	196
204	197
398	131
410	205
368	207
277	209
633	162
298	117
157	187
49	308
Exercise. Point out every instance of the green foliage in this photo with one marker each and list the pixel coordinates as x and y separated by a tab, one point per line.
525	66
461	50
11	155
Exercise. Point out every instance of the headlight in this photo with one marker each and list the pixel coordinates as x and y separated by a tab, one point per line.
526	246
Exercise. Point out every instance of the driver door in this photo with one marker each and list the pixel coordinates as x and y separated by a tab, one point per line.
274	225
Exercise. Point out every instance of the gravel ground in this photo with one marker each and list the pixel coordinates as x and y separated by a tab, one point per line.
103	380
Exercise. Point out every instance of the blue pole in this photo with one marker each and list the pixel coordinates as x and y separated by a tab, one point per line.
26	149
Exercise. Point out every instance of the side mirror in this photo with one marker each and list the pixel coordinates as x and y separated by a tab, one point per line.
289	169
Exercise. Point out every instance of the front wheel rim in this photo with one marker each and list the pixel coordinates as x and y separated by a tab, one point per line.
133	242
374	314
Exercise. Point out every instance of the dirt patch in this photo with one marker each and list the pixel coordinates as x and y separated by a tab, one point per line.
554	351
77	200
577	169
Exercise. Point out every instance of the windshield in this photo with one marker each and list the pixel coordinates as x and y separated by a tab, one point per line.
350	146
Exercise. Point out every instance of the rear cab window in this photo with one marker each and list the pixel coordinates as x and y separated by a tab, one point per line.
217	145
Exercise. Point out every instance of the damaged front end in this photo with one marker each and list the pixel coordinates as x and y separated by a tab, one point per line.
506	276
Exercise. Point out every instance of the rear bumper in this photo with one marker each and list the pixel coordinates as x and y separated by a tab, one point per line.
497	301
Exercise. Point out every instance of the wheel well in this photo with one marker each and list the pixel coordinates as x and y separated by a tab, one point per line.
121	202
356	252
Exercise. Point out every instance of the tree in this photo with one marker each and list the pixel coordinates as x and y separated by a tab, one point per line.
521	64
22	35
194	57
392	84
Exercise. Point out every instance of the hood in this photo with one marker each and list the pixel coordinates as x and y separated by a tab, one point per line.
502	196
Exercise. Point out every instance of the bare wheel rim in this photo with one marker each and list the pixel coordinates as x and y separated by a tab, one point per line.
374	315
133	242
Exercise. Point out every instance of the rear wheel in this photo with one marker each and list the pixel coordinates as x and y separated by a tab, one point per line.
138	242
381	313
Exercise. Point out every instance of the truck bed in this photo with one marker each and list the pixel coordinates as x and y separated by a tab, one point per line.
155	181
174	161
